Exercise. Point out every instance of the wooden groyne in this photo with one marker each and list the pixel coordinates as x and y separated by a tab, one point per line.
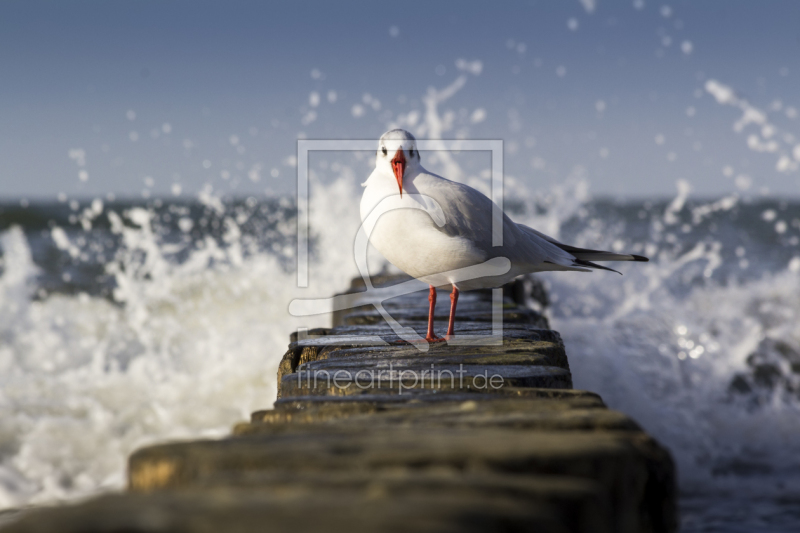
371	434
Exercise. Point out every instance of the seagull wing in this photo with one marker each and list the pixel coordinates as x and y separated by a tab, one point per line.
470	215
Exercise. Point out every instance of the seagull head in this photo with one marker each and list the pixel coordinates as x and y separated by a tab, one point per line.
397	154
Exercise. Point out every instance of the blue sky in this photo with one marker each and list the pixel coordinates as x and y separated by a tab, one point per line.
150	95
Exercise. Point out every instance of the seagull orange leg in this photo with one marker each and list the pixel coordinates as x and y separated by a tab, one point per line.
431	336
452	323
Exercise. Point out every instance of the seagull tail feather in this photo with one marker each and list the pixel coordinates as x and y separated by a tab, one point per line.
585	263
584	254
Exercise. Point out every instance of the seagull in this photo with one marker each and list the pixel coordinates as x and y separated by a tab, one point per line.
434	249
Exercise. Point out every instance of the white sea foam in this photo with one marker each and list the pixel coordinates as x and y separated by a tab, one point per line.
763	141
184	350
669	360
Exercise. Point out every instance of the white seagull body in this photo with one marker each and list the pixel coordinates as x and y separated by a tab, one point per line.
434	250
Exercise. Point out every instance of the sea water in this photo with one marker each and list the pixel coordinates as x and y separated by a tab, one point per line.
129	323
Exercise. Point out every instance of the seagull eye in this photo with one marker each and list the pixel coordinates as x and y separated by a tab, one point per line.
383	149
411	153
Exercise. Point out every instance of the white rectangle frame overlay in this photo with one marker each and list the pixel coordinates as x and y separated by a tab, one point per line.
495	146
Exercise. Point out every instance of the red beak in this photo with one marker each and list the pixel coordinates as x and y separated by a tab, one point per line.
399	167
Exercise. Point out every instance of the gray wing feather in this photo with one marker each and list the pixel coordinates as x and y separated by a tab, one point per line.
461	203
471	215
